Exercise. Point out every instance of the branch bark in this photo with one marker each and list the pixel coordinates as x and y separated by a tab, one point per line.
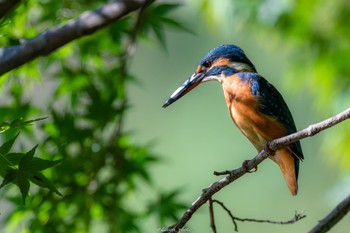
237	173
333	217
86	24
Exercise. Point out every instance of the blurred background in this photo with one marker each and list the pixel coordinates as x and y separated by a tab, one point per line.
165	157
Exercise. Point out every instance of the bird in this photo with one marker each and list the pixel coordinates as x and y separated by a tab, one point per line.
255	105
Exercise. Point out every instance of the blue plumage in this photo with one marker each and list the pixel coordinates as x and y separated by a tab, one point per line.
256	107
232	52
273	104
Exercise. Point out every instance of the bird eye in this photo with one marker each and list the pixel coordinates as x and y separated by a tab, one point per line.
207	64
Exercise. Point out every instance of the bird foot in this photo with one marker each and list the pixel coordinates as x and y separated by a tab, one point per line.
246	169
268	149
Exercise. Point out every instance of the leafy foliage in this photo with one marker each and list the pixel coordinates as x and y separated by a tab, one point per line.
21	168
166	206
4	126
100	169
155	20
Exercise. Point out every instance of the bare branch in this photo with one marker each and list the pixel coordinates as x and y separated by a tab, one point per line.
128	51
86	24
297	217
211	215
310	131
237	173
6	6
233	218
333	217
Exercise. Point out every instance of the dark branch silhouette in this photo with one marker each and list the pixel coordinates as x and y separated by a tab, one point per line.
6	6
297	217
86	24
237	173
333	217
211	215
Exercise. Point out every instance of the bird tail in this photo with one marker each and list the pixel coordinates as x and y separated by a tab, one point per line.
285	161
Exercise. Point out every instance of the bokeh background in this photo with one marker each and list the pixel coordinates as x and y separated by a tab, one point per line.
301	47
196	136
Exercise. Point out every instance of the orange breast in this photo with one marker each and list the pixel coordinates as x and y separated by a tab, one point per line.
256	126
244	110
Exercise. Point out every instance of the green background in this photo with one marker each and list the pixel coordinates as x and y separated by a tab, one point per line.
301	47
195	136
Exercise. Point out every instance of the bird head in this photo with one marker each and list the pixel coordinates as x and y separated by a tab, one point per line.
219	63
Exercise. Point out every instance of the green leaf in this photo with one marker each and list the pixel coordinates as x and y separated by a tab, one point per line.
176	25
29	170
160	34
6	147
38	164
155	19
166	206
23	174
5	163
39	179
10	176
4	126
19	122
23	184
14	158
27	159
165	8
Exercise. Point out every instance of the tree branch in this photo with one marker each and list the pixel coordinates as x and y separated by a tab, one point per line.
297	217
333	217
237	173
211	215
6	6
86	24
125	55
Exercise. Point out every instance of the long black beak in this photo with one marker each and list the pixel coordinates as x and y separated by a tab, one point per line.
187	86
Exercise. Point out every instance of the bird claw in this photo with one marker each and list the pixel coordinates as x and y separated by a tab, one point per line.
268	149
246	169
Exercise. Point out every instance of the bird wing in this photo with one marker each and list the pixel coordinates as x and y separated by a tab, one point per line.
272	104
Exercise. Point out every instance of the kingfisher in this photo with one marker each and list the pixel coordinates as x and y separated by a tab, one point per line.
254	104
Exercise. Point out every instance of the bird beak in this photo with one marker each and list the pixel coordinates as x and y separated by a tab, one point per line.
187	86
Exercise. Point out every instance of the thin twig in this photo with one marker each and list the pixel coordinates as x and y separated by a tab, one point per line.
310	130
333	217
237	173
297	217
211	215
233	218
128	51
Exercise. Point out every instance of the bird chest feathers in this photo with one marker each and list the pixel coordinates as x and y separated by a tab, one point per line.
244	111
256	107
